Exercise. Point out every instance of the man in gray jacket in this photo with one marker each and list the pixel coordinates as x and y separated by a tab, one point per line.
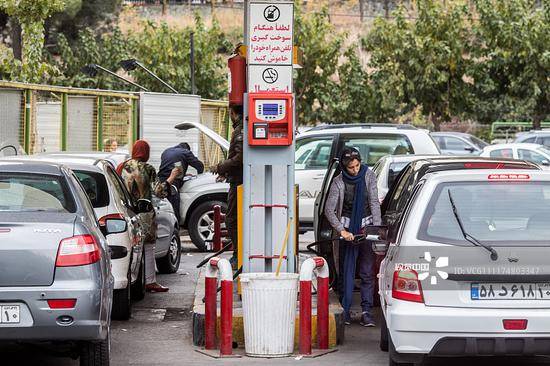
352	204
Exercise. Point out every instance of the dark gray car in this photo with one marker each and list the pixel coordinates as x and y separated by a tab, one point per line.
55	265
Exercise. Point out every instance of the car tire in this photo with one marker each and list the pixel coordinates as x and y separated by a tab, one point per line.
96	353
201	223
384	342
138	287
122	300
171	261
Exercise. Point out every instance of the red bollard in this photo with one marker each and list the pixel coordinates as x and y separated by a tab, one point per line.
306	274
223	266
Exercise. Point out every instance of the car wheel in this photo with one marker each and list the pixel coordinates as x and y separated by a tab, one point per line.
96	353
171	261
122	300
384	335
201	223
138	288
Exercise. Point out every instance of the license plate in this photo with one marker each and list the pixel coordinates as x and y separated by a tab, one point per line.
10	314
510	291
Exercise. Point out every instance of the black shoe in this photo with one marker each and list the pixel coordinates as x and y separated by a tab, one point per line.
367	321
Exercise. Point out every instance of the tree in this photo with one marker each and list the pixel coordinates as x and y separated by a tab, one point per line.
512	65
423	63
316	86
31	14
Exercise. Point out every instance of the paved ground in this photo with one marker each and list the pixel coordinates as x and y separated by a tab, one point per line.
159	333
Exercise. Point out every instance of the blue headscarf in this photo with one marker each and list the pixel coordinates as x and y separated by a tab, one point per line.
358	210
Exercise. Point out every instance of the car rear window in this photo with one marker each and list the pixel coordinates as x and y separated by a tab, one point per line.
34	193
374	146
95	186
495	213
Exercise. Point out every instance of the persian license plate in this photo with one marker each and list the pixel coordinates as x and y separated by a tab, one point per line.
510	291
10	314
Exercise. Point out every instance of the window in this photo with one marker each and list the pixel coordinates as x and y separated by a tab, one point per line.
440	141
478	142
395	169
95	186
454	143
530	140
532	156
502	153
32	192
523	218
122	192
404	188
544	141
374	146
313	153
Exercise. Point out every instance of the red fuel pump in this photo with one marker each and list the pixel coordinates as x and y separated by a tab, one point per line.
270	119
237	79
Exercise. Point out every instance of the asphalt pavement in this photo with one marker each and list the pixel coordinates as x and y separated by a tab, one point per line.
160	333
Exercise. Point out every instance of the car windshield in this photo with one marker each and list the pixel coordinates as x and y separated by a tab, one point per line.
374	146
477	142
95	186
34	193
495	213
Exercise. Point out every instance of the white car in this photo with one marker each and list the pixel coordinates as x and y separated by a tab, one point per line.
389	167
315	149
535	153
467	273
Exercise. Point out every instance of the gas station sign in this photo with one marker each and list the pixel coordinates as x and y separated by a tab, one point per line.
270	47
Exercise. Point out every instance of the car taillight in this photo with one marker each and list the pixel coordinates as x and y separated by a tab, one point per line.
78	251
62	303
515	324
110	216
406	286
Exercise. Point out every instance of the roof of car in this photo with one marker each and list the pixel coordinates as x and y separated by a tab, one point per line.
85	164
450	133
20	165
411	157
447	160
483	175
360	127
512	145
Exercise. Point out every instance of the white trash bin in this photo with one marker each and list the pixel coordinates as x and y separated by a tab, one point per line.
269	313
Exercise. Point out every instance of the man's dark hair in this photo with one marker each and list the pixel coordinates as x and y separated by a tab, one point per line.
237	109
185	145
348	155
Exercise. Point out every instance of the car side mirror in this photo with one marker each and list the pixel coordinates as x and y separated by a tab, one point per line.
470	149
118	251
113	226
546	163
144	206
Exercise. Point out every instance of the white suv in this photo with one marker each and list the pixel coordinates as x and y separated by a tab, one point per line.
315	149
467	273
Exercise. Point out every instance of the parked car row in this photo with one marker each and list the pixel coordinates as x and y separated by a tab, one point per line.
72	254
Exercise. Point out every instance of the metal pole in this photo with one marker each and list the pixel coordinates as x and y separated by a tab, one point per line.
64	120
27	130
121	78
192	61
100	123
156	77
135	116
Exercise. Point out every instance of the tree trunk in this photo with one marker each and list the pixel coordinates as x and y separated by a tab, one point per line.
16	39
164	6
537	119
436	121
386	9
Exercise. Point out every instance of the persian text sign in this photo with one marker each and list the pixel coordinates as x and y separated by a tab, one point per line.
270	33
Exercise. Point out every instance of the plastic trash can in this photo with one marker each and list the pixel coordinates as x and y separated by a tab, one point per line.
269	313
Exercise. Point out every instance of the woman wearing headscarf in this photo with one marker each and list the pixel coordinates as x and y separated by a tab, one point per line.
141	180
352	204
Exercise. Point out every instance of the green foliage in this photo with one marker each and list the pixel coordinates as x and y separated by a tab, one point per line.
162	49
316	88
31	14
512	60
422	63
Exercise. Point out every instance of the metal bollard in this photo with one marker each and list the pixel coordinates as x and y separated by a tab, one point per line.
306	274
222	266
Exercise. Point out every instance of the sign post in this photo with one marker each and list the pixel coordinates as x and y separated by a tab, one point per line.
268	162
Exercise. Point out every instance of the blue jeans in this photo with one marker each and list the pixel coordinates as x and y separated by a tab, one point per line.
350	256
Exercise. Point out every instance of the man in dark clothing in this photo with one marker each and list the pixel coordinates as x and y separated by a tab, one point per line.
231	170
176	155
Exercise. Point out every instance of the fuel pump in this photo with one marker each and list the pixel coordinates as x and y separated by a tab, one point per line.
270	119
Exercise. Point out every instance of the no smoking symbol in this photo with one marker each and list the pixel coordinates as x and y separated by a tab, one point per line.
270	75
272	13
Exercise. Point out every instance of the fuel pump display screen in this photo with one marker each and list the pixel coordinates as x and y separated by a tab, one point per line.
271	109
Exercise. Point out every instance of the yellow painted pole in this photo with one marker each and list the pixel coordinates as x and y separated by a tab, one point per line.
283	249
